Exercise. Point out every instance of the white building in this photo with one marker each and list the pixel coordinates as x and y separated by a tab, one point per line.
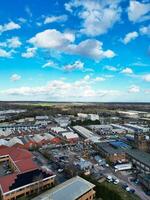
93	117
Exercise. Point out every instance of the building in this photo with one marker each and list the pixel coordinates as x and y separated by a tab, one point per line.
140	160
75	188
134	114
111	153
145	181
93	117
86	134
138	128
23	177
141	143
62	121
84	116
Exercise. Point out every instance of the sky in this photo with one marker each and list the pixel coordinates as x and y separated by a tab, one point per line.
75	50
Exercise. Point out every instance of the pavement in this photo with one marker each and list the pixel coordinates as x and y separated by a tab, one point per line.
125	179
122	176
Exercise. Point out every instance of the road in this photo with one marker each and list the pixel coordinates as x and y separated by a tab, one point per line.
125	179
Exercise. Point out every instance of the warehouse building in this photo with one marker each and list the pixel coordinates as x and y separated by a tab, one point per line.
112	154
86	134
140	160
75	188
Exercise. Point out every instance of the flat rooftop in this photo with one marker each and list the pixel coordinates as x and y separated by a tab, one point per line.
69	190
141	156
105	146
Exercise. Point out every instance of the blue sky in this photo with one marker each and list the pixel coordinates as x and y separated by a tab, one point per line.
75	50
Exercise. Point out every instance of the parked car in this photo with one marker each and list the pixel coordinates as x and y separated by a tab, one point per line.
60	170
132	191
115	181
124	186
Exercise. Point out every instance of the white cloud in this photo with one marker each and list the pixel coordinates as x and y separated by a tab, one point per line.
15	77
97	16
9	26
59	89
22	20
90	48
53	39
138	12
110	68
130	36
146	77
76	65
5	54
134	89
127	70
49	64
145	30
14	42
30	53
51	19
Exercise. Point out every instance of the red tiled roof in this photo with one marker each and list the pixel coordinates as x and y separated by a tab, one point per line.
22	159
26	165
56	140
6	181
16	153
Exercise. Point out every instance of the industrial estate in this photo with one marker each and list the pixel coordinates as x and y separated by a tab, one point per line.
82	155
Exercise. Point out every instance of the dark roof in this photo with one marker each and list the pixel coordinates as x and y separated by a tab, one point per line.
141	156
109	149
28	178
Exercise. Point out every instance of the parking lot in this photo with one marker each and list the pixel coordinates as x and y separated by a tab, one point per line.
62	158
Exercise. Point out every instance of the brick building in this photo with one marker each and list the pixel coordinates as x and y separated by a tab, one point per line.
25	177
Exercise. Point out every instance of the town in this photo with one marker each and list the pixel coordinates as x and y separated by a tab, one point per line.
48	156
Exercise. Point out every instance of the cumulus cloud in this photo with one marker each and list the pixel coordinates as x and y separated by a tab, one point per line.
127	70
15	77
90	48
138	11
5	54
97	16
146	77
52	19
134	89
64	42
30	53
63	89
76	65
14	42
9	26
129	37
52	38
145	30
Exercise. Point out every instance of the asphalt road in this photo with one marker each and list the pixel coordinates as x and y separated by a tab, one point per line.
124	179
